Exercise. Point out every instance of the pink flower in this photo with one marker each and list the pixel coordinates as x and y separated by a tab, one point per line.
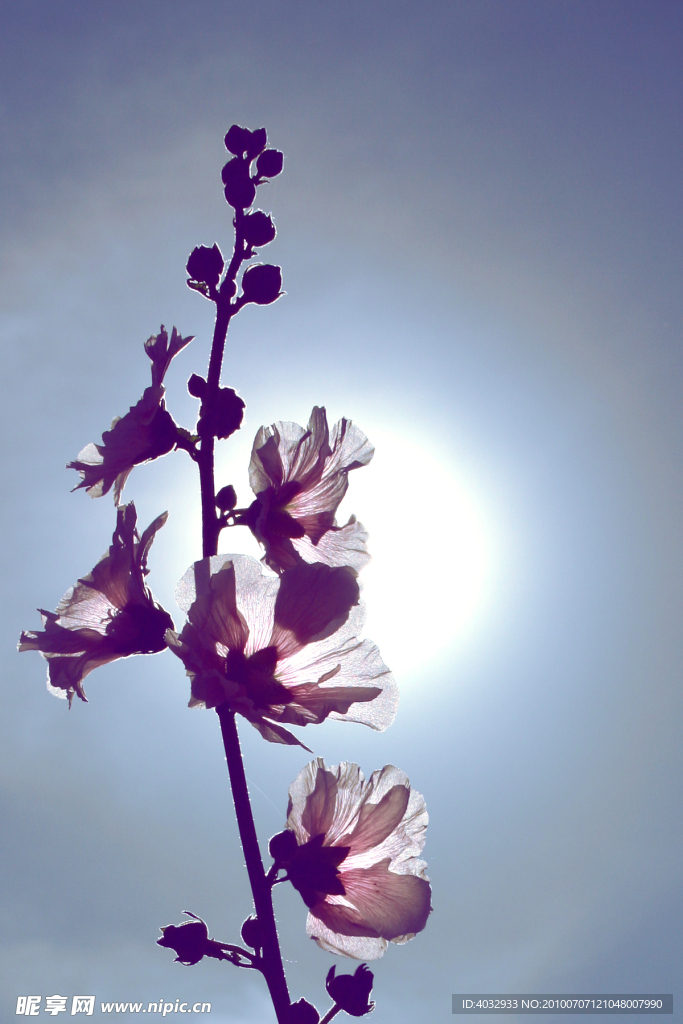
354	857
299	478
280	650
109	614
146	432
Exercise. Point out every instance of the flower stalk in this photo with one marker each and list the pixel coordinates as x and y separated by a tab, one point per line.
271	966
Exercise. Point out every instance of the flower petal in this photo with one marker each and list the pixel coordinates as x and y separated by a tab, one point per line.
377	904
313	602
340	545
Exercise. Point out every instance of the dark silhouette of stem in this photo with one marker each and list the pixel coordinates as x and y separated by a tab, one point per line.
330	1014
270	963
271	966
225	310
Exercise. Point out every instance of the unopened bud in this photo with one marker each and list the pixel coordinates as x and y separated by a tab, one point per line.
283	846
262	284
257	143
240	190
196	385
258	228
351	991
205	264
237	140
251	933
269	164
302	1012
188	940
226	499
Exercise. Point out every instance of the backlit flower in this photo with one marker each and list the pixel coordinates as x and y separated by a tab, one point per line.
299	477
280	650
109	614
146	432
356	860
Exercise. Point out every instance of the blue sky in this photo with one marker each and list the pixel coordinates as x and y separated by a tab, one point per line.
479	226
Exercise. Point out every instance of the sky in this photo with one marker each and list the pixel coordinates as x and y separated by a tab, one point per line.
479	225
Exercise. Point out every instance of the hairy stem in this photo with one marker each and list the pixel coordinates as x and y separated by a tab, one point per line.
272	967
225	310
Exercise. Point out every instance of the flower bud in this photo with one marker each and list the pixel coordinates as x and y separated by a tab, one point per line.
237	140
351	991
205	264
226	499
257	143
283	846
223	415
262	283
188	940
251	933
269	164
240	190
258	228
196	385
302	1012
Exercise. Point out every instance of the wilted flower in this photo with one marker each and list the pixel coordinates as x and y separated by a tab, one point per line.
280	649
299	478
351	991
146	432
356	859
109	614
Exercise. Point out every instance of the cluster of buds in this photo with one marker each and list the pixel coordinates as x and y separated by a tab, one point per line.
261	282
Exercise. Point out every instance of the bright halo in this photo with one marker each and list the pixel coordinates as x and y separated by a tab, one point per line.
428	577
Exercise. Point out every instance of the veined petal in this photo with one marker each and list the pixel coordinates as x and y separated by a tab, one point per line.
378	904
340	545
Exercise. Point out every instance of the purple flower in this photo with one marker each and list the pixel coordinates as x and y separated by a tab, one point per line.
299	478
146	432
109	614
356	862
280	650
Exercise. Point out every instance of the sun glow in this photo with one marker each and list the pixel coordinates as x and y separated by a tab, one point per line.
431	551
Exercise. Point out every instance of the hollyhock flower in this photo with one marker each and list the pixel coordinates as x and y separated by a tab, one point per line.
299	478
280	650
109	614
351	849
146	432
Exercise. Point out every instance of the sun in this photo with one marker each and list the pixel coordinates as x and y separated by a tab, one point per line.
431	546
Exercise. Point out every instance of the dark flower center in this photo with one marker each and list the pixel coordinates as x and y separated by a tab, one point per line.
257	675
314	870
139	629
